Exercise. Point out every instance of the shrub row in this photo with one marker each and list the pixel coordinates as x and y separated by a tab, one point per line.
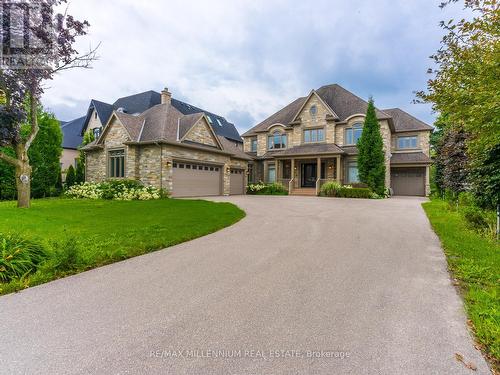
266	189
334	189
125	190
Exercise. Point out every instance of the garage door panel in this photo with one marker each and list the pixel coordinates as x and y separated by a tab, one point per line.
408	181
237	181
195	180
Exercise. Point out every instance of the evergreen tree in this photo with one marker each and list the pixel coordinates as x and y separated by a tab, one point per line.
70	177
88	137
371	158
79	171
45	155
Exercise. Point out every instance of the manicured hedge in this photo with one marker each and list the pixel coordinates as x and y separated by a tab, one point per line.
266	189
334	189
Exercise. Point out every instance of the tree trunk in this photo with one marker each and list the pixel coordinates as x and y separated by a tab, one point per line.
23	177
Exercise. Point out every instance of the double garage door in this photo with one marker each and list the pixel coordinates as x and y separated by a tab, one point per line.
192	179
408	181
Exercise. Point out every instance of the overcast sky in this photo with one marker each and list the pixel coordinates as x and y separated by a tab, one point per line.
246	59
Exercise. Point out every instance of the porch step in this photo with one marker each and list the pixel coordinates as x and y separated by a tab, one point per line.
304	192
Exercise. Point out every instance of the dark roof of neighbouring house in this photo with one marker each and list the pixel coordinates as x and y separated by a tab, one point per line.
404	122
164	122
72	137
139	103
341	101
410	158
314	149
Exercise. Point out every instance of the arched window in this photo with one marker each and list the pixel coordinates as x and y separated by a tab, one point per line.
276	141
353	134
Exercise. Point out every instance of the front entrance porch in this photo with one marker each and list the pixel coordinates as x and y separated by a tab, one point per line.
305	176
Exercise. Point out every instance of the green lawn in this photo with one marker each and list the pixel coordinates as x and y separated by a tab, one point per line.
475	263
108	231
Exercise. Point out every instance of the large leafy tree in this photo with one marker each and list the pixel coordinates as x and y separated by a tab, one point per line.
21	80
465	82
44	156
371	158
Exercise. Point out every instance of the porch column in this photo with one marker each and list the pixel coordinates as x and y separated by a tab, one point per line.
292	172
318	168
338	170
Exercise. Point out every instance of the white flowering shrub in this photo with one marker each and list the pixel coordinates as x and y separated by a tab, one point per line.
121	190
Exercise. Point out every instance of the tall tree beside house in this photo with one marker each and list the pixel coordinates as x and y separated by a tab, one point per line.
21	80
465	85
44	157
88	137
371	158
7	177
453	161
70	177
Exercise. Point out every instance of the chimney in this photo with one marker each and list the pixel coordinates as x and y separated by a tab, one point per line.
166	96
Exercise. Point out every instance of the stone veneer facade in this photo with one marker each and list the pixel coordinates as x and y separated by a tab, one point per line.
152	164
334	133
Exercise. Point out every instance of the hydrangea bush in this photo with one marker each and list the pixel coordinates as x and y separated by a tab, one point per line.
122	190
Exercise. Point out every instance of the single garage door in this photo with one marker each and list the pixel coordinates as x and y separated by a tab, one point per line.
237	182
196	180
408	181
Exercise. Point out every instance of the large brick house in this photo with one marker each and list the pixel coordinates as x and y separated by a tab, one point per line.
313	140
166	143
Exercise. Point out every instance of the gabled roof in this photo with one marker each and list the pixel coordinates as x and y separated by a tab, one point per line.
139	103
220	125
345	103
187	122
71	130
283	116
340	101
313	149
404	122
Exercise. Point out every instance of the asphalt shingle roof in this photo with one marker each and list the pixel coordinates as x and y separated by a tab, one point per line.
410	158
71	130
314	149
404	122
343	102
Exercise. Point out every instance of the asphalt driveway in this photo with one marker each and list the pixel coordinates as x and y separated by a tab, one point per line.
302	285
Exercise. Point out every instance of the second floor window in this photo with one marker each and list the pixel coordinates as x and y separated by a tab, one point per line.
97	132
253	145
276	141
352	135
117	164
314	135
407	142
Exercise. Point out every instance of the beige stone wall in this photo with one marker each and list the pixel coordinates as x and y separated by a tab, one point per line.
307	120
200	133
68	158
94	121
95	164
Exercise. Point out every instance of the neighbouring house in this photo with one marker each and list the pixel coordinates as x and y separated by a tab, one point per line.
166	143
72	140
313	140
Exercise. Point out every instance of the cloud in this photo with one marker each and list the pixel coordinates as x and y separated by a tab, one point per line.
247	59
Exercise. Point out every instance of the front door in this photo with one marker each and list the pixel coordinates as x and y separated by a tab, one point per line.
309	175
